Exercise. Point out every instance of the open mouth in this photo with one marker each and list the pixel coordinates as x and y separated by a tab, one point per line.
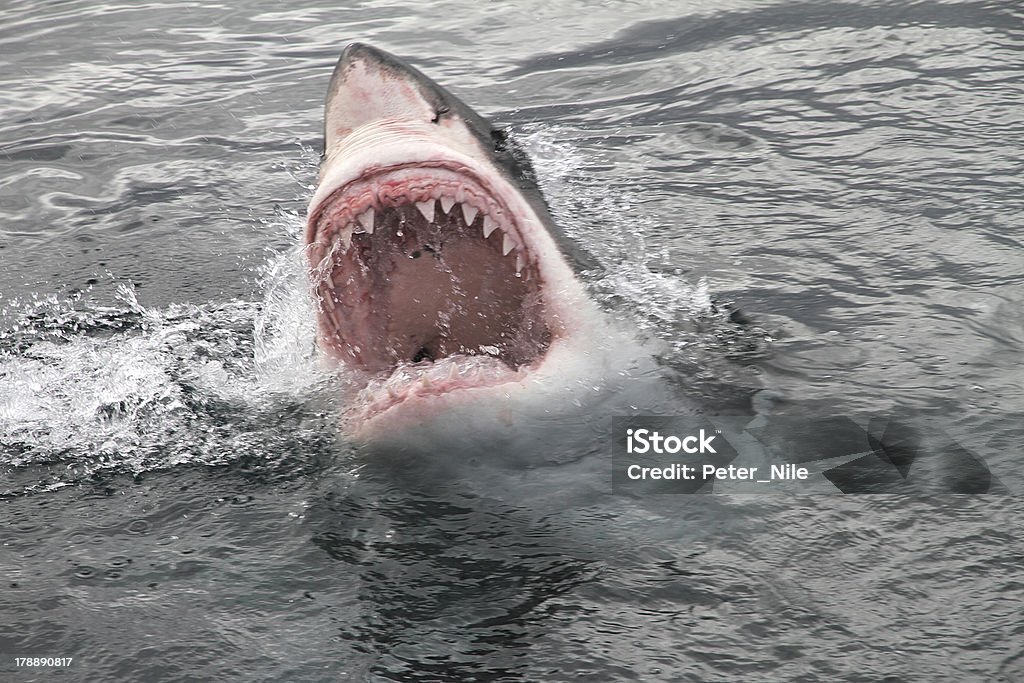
426	281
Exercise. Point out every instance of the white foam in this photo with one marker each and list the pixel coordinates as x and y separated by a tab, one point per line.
131	387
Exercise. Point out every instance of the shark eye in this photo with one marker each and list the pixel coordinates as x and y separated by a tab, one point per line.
439	112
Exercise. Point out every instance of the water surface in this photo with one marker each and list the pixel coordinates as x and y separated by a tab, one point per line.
179	504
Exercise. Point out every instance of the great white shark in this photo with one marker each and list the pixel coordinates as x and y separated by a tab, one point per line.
440	276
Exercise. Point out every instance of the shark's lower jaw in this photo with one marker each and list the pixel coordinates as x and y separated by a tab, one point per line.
427	282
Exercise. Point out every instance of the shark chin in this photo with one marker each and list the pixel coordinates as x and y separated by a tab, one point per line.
442	282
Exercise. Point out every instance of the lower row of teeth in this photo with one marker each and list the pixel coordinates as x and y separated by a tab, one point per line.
472	372
365	224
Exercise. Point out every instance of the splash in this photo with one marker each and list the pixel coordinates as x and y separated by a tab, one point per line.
691	332
628	278
86	388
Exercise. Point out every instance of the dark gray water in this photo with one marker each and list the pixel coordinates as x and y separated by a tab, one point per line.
177	501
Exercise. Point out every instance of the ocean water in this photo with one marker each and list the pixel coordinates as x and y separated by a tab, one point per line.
809	209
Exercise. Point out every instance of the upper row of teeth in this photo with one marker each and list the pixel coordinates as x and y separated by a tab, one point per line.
364	223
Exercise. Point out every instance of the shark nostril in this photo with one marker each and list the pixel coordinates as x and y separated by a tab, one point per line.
422	355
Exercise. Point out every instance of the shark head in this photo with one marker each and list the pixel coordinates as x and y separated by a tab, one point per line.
438	271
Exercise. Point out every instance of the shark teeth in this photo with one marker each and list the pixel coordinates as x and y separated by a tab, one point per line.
456	372
366	220
342	240
489	226
427	209
491	218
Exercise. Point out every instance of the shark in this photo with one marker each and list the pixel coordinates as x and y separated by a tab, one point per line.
440	277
